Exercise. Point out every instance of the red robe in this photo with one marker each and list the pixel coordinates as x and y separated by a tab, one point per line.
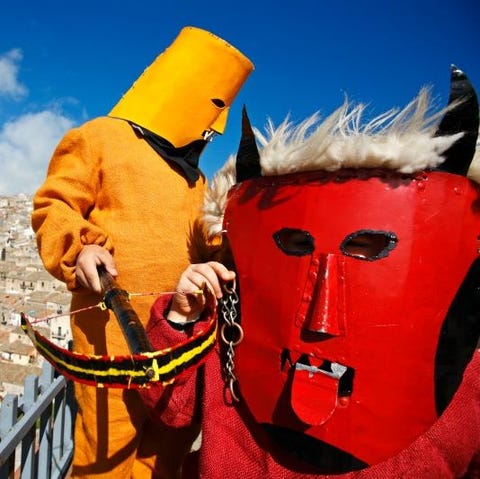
234	446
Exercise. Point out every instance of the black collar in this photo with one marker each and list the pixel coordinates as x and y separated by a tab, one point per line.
185	157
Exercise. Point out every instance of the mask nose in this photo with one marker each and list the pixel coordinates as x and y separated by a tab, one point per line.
325	293
218	126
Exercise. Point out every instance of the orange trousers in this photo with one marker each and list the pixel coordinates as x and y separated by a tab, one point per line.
114	438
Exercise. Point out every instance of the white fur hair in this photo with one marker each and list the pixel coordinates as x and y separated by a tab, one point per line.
401	140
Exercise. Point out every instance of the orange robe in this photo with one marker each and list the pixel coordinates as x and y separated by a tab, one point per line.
107	186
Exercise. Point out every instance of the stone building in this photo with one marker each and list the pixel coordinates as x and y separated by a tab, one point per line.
25	286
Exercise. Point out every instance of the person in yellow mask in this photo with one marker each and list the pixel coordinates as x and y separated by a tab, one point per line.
124	191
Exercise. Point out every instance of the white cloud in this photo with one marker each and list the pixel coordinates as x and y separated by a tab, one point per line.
9	83
28	140
26	146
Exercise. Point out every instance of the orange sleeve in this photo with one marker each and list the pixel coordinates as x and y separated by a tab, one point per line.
61	207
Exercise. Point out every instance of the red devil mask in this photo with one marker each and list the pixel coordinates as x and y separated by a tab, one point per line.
359	295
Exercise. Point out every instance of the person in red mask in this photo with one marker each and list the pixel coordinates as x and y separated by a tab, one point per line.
351	349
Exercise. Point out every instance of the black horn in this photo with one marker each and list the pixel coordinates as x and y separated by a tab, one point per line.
248	157
461	118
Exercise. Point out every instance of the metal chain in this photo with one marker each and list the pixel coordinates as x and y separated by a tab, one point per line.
231	333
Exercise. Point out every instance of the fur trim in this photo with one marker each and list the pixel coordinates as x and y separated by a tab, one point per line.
474	170
400	140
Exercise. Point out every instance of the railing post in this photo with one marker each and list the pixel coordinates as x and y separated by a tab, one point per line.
36	434
8	417
45	428
30	396
64	411
58	430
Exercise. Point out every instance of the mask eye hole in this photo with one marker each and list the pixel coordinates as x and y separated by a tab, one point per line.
294	242
218	103
369	245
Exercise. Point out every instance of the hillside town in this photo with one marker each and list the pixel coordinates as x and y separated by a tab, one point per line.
25	286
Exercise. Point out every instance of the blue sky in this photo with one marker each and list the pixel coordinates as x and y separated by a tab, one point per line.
62	63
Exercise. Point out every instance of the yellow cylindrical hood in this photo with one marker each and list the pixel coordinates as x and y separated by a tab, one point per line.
188	89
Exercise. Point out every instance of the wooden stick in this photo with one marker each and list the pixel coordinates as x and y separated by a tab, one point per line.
117	300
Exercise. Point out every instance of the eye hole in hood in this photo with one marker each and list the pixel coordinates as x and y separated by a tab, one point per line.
294	242
218	102
369	245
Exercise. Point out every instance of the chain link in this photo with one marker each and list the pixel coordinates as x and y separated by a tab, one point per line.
231	334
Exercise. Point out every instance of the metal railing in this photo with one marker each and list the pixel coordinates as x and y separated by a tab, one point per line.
36	430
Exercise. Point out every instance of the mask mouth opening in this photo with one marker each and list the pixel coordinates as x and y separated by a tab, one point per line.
344	374
208	135
291	437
